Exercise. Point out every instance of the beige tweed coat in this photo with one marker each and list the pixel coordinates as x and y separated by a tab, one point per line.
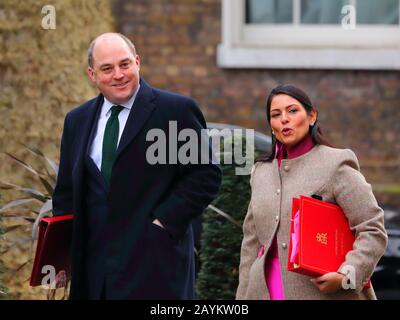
333	174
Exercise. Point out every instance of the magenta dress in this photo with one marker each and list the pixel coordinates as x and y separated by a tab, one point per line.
272	267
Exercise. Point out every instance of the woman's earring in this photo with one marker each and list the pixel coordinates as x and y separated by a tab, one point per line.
273	132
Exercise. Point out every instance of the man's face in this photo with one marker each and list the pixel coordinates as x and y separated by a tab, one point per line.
115	69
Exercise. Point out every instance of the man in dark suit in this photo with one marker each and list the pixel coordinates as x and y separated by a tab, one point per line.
132	233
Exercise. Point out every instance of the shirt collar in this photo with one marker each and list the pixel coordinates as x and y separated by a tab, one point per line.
107	105
303	147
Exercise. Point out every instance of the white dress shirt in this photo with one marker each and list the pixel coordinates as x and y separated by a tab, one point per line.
97	144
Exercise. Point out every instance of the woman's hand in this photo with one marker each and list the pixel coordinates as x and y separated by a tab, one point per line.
329	283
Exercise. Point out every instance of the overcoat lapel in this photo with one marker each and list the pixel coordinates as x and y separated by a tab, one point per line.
88	120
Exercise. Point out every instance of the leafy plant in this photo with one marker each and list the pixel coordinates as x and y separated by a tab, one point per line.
24	213
222	235
42	200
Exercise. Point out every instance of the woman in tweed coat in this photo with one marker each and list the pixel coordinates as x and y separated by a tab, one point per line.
303	163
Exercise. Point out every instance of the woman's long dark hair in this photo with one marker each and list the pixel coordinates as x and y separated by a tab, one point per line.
301	96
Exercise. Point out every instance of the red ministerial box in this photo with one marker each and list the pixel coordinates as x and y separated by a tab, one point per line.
53	247
325	237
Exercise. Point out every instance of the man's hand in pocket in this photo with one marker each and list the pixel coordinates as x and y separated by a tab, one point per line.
157	222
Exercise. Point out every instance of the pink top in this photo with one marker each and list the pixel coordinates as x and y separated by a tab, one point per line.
272	269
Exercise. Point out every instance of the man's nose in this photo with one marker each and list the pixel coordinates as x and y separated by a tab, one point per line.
118	74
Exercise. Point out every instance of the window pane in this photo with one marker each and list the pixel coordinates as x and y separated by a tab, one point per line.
269	11
322	11
377	12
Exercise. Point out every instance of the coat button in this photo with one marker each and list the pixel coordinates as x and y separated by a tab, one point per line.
284	245
286	168
278	191
276	218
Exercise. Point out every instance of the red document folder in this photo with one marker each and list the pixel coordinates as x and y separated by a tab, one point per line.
325	237
53	247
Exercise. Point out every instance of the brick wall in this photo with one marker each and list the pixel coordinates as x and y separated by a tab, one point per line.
177	41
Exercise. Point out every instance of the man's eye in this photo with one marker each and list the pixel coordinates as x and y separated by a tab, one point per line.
106	69
125	65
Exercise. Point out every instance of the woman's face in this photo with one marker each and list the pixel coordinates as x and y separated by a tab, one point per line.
289	120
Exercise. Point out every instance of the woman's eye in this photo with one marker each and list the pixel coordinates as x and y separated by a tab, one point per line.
274	115
293	110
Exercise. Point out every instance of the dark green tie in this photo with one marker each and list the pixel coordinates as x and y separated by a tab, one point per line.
110	142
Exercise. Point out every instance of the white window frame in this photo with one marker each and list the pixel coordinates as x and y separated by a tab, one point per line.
295	46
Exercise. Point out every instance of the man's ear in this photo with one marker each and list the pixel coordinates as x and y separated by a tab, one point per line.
90	72
137	61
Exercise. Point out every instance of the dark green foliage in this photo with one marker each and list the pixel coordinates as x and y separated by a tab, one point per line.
221	239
